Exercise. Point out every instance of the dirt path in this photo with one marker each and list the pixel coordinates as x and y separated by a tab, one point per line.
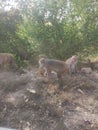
30	102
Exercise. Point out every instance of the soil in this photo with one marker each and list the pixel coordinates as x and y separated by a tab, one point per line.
29	101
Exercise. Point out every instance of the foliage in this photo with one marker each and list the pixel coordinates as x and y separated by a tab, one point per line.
57	28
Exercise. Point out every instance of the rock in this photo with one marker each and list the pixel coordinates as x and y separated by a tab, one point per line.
86	70
2	128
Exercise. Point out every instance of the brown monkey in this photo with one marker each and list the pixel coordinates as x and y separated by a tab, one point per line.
7	60
42	56
41	68
72	64
50	65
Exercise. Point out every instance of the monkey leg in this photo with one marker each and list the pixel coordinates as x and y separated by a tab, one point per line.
48	74
60	80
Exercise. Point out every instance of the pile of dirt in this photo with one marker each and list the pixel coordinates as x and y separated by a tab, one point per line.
31	102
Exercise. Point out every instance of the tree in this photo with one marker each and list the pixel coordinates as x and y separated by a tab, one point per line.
50	26
58	28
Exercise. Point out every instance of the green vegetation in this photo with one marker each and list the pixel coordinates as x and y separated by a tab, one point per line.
56	28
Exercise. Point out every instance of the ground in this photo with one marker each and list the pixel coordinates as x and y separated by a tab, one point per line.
31	102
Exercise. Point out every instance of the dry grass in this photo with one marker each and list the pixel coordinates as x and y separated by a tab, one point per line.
12	82
33	102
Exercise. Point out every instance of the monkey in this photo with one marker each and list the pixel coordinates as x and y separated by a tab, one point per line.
7	60
50	65
72	64
57	66
41	68
42	56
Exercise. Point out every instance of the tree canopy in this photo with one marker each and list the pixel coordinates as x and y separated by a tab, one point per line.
57	28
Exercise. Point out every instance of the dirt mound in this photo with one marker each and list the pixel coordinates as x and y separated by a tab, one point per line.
31	102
